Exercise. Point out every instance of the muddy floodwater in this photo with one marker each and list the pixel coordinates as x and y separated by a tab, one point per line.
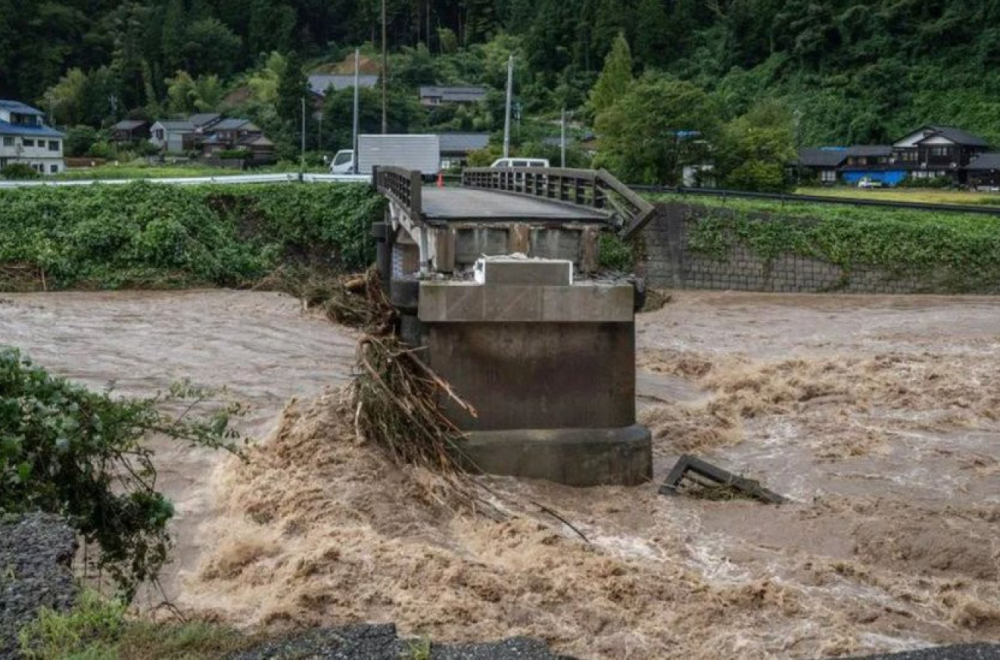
879	417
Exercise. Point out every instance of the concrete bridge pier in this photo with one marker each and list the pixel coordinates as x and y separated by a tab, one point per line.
550	369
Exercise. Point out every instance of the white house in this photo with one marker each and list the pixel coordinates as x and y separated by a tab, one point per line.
173	136
24	138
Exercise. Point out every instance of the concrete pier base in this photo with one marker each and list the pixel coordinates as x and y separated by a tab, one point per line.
575	457
550	368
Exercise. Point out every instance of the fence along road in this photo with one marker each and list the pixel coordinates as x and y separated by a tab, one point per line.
294	177
284	177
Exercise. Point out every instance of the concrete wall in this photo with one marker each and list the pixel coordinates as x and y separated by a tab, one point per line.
670	263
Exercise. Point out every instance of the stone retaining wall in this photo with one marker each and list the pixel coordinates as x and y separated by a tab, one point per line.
671	263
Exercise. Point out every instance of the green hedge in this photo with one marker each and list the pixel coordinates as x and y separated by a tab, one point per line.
960	252
155	235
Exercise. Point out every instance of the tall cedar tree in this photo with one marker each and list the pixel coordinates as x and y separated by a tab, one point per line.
615	77
292	88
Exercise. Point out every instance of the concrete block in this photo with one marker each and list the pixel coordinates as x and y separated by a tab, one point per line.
510	270
575	457
468	302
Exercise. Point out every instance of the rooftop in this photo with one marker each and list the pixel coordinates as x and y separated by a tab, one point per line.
986	161
458	93
870	150
958	136
20	108
234	124
129	124
6	128
319	83
811	157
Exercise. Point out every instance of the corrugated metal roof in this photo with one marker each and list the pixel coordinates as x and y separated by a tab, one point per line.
319	83
986	161
6	128
20	108
811	157
463	142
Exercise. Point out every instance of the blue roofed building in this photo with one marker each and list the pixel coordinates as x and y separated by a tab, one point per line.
25	138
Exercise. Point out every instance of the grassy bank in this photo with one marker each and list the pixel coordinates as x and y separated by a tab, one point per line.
150	236
955	252
916	195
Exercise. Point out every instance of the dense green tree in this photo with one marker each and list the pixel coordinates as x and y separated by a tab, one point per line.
659	125
755	149
615	78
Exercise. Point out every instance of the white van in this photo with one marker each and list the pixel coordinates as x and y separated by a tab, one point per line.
520	162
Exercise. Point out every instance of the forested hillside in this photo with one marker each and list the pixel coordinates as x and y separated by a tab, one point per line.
848	71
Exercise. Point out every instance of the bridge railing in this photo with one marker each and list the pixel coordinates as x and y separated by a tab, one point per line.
401	186
596	189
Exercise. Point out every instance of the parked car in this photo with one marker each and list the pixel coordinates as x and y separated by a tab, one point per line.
868	182
520	162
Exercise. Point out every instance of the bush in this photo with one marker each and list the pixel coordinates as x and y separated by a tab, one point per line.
18	171
234	154
79	140
758	176
81	454
936	182
102	149
152	235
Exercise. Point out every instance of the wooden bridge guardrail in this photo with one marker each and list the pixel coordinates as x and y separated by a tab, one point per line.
596	189
401	186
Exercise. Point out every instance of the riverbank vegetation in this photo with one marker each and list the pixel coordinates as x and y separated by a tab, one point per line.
144	235
959	252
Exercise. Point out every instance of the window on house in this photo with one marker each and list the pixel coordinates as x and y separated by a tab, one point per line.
8	141
828	176
53	169
53	145
940	151
27	143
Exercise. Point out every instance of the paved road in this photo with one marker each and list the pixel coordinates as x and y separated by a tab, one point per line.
471	204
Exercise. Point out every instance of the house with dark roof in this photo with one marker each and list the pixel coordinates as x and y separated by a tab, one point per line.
930	152
456	147
937	151
432	95
821	164
173	136
130	131
25	138
983	172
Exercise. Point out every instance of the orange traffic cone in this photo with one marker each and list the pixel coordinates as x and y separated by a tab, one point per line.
440	183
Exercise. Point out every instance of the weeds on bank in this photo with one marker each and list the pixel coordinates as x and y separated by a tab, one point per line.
97	628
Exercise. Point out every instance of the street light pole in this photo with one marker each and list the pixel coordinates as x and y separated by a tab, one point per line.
506	116
354	133
385	73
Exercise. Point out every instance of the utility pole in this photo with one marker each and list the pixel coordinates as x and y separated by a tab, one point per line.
562	141
506	116
385	74
302	156
354	133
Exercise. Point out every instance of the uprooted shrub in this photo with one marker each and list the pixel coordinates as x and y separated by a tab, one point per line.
81	454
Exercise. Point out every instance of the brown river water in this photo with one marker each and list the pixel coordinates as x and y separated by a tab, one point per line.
878	416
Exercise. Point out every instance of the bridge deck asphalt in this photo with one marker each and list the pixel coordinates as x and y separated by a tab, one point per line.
471	204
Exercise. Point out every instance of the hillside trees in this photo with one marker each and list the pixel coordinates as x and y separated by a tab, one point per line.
659	125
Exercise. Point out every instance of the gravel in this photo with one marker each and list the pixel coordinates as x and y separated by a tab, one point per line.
35	555
958	652
380	642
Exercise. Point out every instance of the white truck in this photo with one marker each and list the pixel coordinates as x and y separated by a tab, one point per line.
414	152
